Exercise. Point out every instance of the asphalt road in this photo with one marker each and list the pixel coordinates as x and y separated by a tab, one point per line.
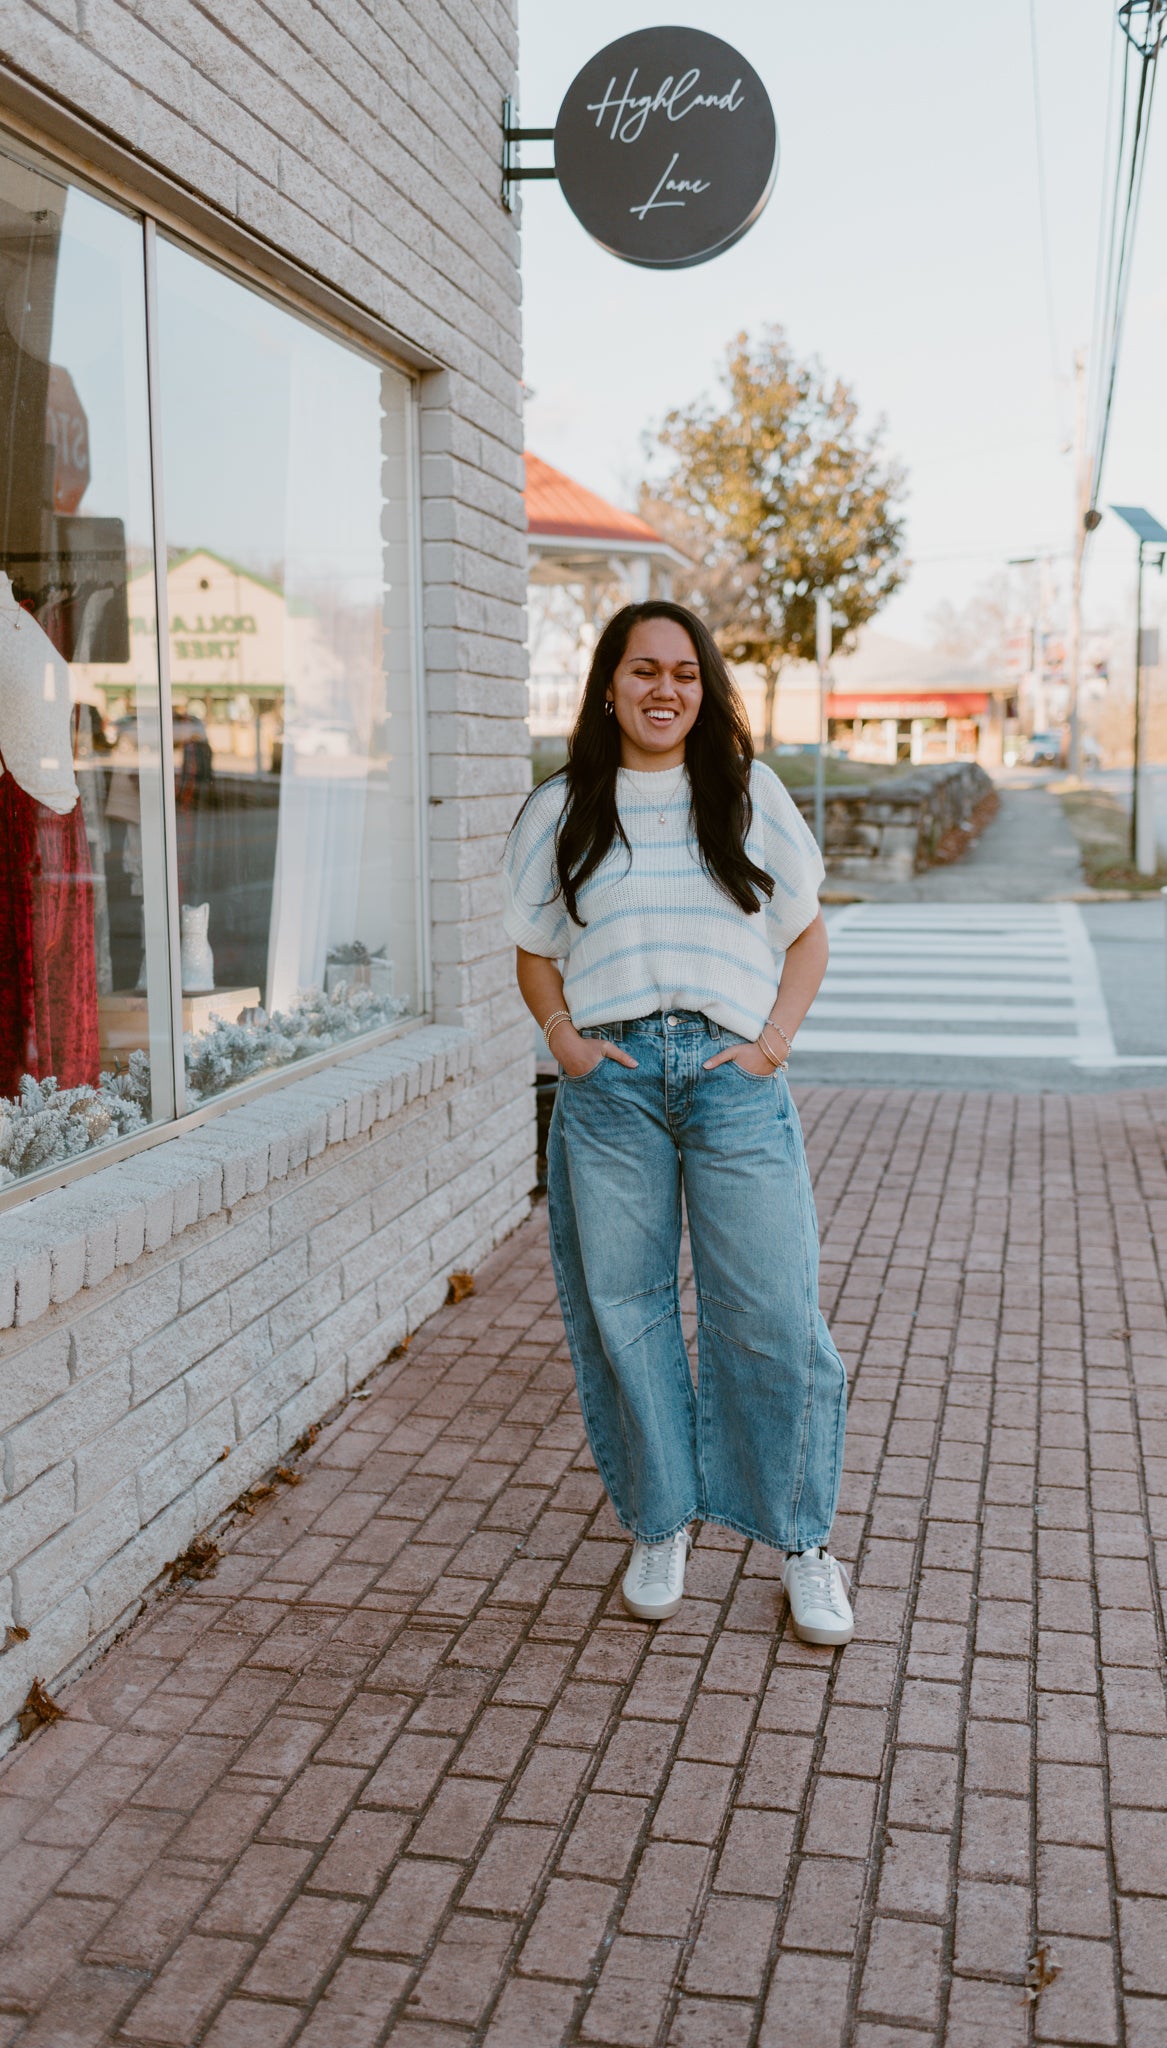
987	975
954	997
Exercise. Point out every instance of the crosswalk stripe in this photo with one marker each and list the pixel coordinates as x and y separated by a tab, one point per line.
943	984
957	1011
991	981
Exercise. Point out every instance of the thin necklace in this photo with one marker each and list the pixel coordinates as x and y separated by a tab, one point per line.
670	792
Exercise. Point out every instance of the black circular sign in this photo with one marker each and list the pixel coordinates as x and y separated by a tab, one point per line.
666	147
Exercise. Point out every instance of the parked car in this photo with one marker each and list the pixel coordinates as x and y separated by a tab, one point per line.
1042	750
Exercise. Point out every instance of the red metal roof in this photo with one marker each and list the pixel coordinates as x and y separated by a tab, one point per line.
559	507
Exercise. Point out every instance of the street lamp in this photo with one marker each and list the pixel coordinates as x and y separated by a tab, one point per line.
823	636
1038	623
1149	533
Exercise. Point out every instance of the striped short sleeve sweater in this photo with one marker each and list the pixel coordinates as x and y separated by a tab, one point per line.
659	933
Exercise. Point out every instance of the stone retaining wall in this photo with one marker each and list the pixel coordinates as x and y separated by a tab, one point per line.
889	831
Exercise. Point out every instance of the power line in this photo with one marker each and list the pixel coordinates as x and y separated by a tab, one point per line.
1117	43
1109	242
1145	39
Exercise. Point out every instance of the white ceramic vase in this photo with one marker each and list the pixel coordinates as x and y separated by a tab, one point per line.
198	962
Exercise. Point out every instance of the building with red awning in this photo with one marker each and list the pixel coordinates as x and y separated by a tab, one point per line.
891	700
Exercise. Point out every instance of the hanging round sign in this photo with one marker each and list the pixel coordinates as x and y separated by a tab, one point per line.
666	147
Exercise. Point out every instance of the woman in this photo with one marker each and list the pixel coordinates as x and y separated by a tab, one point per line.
674	878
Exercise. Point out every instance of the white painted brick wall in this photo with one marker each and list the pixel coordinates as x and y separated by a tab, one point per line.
229	1287
117	1405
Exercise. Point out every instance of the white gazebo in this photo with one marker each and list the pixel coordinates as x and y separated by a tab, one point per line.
585	558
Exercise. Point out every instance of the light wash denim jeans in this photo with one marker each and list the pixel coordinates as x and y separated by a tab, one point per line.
758	1445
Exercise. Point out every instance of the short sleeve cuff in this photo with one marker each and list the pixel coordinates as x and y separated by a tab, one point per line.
533	936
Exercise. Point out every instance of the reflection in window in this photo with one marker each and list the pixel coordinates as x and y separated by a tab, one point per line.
290	669
294	847
82	928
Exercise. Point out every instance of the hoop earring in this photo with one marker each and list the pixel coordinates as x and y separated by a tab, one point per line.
609	708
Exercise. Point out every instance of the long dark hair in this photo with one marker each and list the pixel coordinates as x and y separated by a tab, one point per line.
718	753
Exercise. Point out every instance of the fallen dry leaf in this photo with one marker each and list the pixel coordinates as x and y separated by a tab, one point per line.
305	1442
249	1501
14	1635
196	1563
289	1477
224	1453
461	1285
1040	1971
38	1710
399	1350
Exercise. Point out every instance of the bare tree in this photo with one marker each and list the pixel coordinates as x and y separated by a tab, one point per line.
979	630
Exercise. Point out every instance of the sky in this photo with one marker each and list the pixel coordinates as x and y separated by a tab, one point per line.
903	247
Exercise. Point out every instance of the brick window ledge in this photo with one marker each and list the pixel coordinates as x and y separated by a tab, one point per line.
75	1237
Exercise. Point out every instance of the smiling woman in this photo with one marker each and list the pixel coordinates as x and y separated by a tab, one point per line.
655	693
659	890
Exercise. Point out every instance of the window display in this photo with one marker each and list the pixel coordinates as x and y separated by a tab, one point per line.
283	453
269	911
77	919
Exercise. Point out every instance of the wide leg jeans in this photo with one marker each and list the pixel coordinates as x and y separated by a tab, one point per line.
758	1443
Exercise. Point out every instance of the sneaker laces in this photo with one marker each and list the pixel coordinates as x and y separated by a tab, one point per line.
816	1570
656	1563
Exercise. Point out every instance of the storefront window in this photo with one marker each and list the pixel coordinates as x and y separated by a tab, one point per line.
284	458
83	939
276	901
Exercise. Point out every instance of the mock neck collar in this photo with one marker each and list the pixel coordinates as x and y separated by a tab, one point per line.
656	780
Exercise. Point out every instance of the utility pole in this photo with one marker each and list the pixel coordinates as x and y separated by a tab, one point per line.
1038	616
1081	505
1140	809
1045	581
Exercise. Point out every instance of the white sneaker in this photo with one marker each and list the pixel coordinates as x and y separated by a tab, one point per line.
817	1587
653	1586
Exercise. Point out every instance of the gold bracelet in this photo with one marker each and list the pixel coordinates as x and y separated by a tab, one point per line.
553	1023
780	1066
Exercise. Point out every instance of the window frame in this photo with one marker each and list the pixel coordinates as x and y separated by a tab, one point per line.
176	1117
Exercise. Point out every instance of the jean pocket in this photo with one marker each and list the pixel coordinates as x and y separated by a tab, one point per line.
743	1074
730	1041
581	1080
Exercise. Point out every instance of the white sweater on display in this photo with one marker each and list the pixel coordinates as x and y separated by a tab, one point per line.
659	933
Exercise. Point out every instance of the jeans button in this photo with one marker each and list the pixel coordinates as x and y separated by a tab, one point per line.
670	1020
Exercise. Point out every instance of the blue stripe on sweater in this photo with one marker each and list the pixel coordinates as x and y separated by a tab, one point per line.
698	954
652	993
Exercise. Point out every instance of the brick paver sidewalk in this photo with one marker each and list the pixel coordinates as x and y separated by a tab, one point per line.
404	1771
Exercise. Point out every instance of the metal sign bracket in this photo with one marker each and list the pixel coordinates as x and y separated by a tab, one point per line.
513	138
1144	23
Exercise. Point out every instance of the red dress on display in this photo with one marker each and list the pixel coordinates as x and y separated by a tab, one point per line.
48	972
